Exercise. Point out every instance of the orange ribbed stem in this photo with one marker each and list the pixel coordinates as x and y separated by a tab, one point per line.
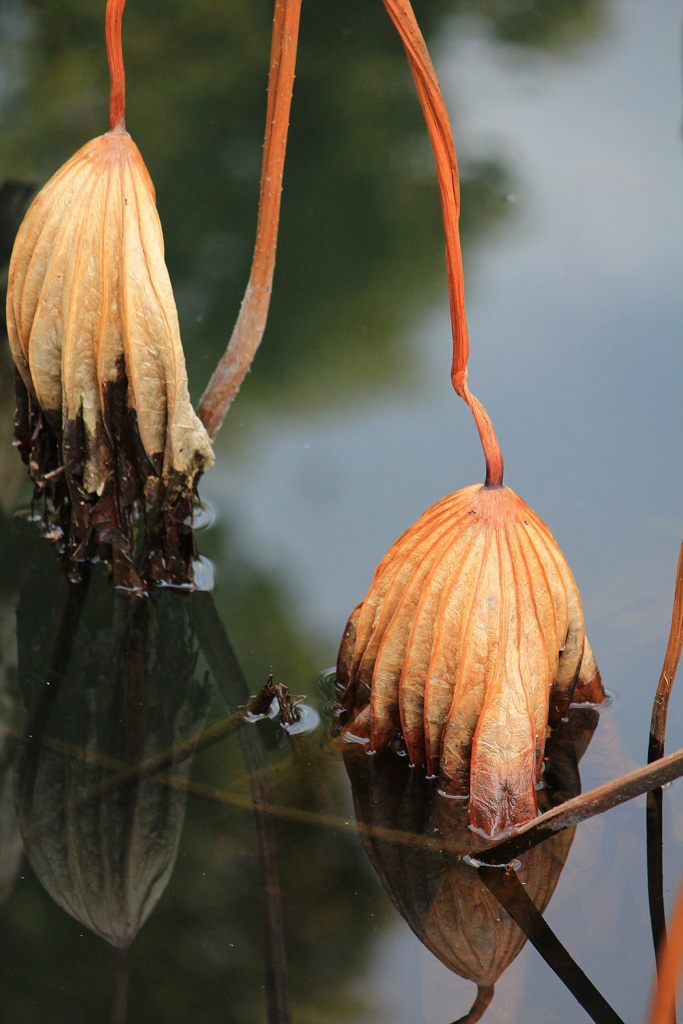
439	128
251	322
117	74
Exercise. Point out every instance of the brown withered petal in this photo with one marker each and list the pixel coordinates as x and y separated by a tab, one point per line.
469	644
90	303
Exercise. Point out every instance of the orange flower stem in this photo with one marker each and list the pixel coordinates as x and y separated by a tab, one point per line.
669	669
669	964
441	136
117	74
654	813
251	322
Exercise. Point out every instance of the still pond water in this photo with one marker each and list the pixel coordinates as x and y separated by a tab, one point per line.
229	880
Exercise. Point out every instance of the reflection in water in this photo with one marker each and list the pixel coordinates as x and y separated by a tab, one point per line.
415	840
10	839
343	303
107	692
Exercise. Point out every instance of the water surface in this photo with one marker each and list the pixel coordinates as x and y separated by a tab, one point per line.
567	122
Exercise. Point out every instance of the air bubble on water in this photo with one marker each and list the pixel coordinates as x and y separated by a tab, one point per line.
309	719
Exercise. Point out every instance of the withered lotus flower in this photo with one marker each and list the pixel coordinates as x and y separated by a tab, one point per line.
91	318
104	415
470	643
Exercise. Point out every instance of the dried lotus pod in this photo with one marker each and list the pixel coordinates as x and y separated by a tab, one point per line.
469	644
104	418
94	333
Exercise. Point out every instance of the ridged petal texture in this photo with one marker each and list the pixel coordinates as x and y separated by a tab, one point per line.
469	644
90	306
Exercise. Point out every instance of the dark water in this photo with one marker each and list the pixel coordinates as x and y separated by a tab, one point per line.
234	862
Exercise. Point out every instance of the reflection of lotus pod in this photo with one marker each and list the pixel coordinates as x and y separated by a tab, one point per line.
415	839
101	835
11	848
470	640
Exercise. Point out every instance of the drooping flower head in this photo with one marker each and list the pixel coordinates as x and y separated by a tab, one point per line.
470	644
104	415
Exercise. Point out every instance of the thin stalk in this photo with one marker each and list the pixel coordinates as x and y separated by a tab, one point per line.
669	969
654	841
119	1010
441	136
654	813
117	74
595	801
479	1006
669	669
511	894
251	322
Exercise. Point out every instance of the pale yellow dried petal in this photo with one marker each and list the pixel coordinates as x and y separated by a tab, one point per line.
90	305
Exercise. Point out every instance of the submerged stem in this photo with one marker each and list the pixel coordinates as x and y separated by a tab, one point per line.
117	74
441	136
251	322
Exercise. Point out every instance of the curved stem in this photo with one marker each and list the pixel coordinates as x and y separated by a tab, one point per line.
654	813
251	322
489	442
479	1006
117	74
441	136
669	669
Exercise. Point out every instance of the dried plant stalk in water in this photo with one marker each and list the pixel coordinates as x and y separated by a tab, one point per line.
104	415
470	643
